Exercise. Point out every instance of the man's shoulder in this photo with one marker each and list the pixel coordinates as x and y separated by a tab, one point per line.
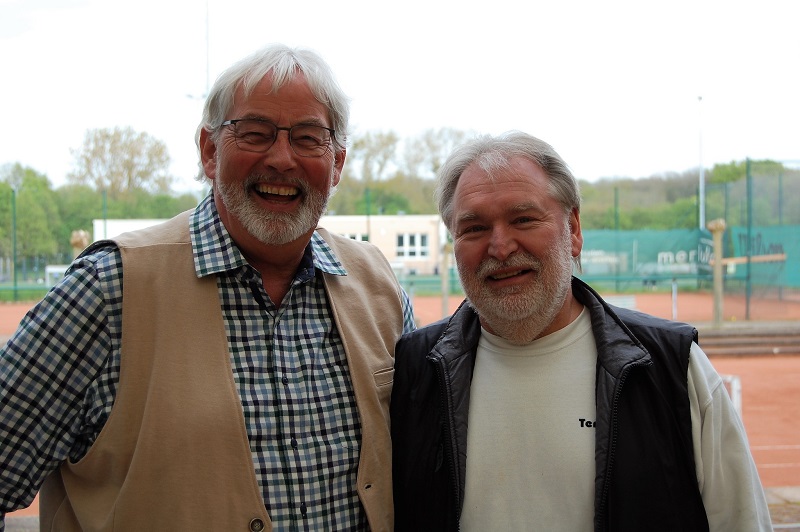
172	231
426	334
460	330
639	322
413	347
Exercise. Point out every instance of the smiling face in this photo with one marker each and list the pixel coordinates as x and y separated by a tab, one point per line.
514	246
276	197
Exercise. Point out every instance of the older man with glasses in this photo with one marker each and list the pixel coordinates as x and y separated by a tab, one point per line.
239	378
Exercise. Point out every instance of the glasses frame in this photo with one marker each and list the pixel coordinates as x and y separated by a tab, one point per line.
278	128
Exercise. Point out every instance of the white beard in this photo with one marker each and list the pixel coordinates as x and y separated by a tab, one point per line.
270	228
520	313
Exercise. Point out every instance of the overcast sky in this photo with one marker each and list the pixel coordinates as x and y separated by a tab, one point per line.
614	86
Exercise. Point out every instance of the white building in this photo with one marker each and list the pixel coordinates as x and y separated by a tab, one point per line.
412	243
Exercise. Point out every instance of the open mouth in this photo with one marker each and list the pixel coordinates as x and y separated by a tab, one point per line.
507	275
276	192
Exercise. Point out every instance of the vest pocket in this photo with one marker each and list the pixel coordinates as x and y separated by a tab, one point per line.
384	377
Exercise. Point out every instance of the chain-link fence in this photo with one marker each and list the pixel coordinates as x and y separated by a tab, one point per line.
761	247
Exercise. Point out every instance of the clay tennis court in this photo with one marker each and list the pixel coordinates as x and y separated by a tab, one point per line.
770	383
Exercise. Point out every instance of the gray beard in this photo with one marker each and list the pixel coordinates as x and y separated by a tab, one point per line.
521	314
270	228
523	331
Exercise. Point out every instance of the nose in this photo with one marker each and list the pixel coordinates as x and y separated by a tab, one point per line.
280	155
502	244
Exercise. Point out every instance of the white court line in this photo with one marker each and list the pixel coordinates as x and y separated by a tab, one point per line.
774	447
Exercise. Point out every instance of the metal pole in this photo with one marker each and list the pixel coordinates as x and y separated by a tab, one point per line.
105	215
14	237
616	239
447	248
702	190
748	280
366	193
208	60
717	228
674	299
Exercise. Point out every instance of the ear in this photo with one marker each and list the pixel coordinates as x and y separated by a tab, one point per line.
338	164
208	154
575	232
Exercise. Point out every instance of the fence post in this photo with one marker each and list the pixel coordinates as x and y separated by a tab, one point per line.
717	228
447	248
674	298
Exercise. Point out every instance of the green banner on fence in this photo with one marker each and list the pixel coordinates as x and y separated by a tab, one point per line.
777	246
647	253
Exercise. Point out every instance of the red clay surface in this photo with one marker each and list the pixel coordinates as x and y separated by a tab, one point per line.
770	384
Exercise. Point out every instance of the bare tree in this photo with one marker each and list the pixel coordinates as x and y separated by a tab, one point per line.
425	154
374	152
120	160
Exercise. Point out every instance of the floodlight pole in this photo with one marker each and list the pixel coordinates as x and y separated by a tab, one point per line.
208	53
702	188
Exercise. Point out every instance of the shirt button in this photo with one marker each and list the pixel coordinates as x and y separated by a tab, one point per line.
294	443
285	380
303	509
256	525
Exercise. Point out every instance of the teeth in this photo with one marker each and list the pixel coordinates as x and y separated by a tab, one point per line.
506	275
277	190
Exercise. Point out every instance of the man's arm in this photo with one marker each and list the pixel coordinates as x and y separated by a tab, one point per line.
54	378
726	473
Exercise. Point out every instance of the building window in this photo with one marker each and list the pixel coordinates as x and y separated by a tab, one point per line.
412	245
360	237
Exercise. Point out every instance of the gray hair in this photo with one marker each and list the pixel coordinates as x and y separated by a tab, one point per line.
282	62
494	153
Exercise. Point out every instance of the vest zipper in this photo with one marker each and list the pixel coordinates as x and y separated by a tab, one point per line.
614	428
450	453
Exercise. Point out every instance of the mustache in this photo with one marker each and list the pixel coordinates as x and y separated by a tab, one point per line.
523	260
275	179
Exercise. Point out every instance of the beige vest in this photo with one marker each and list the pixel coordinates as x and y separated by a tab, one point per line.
174	453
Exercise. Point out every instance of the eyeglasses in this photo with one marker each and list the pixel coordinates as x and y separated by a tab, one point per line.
258	135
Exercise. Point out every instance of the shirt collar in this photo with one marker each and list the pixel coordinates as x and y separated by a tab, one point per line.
215	252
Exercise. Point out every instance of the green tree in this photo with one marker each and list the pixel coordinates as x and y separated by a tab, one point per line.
5	219
382	200
726	173
79	205
370	158
349	193
36	211
418	192
122	160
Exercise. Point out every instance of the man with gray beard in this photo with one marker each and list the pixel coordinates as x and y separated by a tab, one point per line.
239	378
537	405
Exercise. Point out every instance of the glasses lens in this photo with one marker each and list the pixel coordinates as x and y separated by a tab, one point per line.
254	135
259	135
309	140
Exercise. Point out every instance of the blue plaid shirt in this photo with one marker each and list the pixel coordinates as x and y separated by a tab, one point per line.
59	372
